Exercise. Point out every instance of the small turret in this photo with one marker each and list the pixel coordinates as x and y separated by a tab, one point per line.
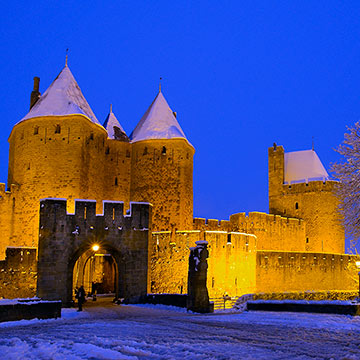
35	94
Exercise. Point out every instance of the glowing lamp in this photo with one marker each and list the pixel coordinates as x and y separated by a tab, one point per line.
96	247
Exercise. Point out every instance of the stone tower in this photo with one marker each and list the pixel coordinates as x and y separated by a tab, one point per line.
299	187
60	150
162	167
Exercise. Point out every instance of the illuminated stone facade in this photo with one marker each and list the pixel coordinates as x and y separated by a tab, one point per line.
66	154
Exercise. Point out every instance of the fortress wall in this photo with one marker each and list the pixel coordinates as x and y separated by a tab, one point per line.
65	237
294	271
18	273
8	207
169	260
161	173
272	231
231	262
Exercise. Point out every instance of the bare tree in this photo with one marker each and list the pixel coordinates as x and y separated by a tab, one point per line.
348	172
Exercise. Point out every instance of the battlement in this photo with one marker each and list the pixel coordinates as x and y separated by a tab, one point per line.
241	221
53	213
218	240
12	190
311	186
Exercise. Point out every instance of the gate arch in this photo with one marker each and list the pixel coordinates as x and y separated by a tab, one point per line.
65	237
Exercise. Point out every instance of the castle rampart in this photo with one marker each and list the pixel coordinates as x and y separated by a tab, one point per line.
272	231
297	271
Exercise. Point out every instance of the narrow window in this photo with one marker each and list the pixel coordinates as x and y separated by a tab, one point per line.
116	181
296	205
57	129
163	152
145	151
229	238
107	151
36	130
85	213
91	136
113	213
212	282
307	240
127	153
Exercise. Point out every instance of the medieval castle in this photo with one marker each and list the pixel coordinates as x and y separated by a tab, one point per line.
60	153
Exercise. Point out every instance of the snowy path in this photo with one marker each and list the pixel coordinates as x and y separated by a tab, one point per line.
129	332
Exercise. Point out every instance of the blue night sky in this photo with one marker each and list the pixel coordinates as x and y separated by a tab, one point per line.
240	74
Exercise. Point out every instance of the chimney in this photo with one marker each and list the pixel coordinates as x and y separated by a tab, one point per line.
35	94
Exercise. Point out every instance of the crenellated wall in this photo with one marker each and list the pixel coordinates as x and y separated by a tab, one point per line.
65	237
294	271
273	232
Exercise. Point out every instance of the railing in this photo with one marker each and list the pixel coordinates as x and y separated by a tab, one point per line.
225	302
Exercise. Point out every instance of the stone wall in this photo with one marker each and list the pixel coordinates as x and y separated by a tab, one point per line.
65	237
293	271
273	232
231	261
18	273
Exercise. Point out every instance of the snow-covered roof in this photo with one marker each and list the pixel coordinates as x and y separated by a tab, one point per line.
63	97
303	166
111	122
159	122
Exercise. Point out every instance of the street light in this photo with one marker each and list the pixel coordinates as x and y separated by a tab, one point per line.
96	247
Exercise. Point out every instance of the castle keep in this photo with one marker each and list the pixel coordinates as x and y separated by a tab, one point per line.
71	180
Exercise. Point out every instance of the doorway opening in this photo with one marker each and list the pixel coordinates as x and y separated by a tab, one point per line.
97	271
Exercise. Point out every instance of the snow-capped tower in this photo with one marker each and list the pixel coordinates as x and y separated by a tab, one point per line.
162	167
54	152
113	127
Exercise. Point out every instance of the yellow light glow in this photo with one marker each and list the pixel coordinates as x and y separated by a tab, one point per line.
95	247
357	263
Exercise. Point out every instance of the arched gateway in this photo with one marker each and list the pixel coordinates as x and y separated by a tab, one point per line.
66	238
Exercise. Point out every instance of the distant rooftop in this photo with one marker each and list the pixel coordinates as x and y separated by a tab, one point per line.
159	122
63	97
303	166
111	124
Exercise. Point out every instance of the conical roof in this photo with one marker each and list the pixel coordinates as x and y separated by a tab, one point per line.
303	166
63	97
159	122
113	127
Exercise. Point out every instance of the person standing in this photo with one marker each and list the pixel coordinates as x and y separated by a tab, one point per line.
80	297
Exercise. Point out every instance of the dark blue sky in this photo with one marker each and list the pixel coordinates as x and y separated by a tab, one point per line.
240	74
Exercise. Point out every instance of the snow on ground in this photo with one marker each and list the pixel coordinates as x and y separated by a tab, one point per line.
160	332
